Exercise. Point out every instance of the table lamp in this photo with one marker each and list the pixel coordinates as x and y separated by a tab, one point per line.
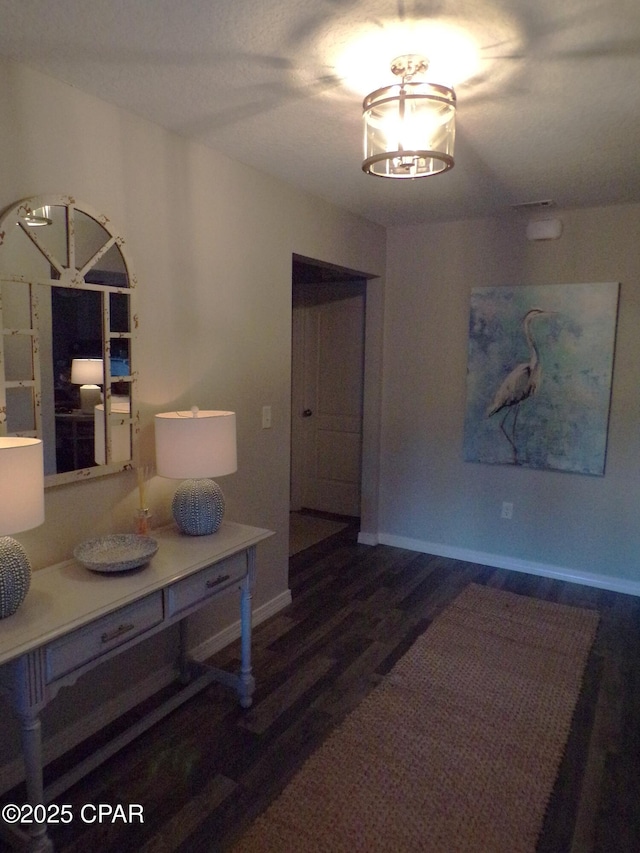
21	508
195	446
88	373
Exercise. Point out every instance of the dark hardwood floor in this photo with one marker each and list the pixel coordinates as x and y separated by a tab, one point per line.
208	769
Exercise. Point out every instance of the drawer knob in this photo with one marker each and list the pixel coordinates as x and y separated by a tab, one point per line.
119	631
217	581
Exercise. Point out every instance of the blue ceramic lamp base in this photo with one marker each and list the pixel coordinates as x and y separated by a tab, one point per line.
15	575
198	507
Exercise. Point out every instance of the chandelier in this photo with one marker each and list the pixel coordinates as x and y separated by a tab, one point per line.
409	127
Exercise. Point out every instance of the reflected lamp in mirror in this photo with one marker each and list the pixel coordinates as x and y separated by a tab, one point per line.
88	374
120	433
195	446
21	508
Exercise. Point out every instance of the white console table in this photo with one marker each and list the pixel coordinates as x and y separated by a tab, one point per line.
74	619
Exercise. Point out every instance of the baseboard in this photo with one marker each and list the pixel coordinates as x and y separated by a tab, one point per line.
368	538
497	561
12	773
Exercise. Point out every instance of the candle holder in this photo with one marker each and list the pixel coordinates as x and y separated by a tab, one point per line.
143	521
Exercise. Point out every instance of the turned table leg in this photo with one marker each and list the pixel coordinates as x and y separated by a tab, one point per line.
31	733
247	682
28	694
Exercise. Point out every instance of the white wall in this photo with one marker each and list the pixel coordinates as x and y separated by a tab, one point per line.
430	499
211	242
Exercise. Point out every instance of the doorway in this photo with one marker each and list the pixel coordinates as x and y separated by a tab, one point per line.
328	328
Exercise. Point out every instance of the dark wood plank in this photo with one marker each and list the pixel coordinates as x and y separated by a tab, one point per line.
207	770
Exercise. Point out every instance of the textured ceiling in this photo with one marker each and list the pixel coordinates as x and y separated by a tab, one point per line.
551	111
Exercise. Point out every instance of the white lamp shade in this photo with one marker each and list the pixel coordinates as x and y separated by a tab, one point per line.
87	371
195	444
21	484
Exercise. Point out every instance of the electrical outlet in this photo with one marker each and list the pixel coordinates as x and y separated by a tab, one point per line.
266	417
507	510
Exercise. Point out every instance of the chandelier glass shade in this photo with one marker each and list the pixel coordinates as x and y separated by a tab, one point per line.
409	127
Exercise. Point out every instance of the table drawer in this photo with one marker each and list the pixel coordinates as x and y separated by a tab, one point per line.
86	644
205	584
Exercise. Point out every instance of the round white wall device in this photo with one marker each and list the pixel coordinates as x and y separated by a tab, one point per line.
544	229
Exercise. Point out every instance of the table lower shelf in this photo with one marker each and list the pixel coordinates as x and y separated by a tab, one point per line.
200	676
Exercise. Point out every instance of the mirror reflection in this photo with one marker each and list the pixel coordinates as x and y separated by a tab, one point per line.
67	334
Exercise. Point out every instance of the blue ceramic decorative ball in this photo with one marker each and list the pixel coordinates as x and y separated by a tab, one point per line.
198	507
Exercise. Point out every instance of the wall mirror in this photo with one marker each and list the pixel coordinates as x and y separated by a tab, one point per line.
67	319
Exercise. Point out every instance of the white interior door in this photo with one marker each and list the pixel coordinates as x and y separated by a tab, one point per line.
327	408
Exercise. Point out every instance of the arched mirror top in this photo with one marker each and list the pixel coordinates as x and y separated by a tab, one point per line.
73	245
66	312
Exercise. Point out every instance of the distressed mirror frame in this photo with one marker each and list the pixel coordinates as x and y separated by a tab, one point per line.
74	278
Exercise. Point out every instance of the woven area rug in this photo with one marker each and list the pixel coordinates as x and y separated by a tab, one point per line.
456	750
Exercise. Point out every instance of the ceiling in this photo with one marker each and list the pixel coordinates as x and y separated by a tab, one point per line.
551	110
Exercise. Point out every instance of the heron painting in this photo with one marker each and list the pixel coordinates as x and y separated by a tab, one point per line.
540	364
519	384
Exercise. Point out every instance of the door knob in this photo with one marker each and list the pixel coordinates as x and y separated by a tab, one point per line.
307	413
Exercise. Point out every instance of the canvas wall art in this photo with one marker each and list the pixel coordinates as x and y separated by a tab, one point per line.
539	373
